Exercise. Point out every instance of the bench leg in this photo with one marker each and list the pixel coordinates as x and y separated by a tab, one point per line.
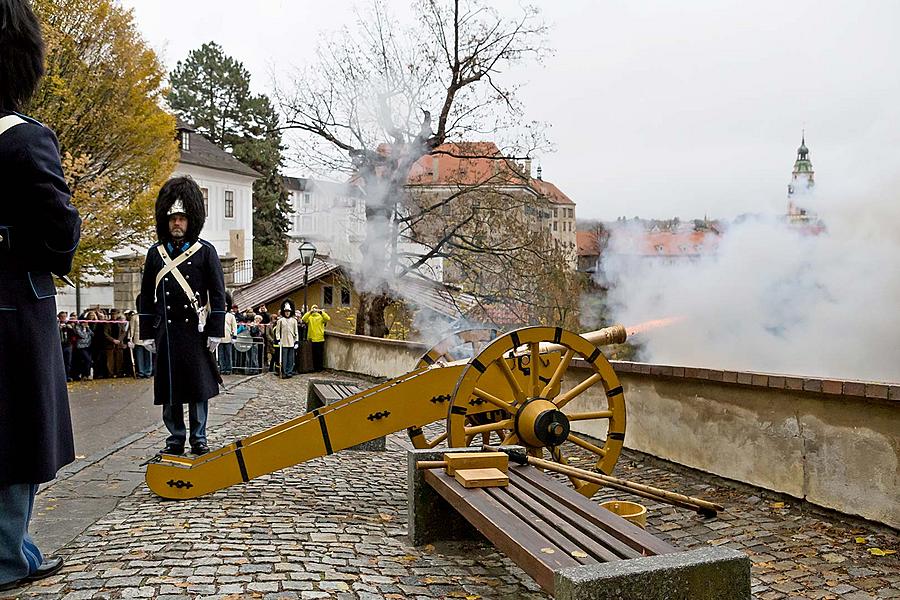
714	573
430	517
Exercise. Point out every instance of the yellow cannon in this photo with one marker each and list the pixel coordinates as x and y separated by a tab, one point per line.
513	390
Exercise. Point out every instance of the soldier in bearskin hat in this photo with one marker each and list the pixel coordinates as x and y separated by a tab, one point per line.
39	232
182	313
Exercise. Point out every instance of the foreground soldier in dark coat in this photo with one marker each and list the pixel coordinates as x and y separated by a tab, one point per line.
183	312
39	230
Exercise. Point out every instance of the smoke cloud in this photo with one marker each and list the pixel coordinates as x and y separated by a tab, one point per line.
774	299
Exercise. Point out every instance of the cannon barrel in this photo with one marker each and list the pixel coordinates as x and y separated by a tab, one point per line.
614	334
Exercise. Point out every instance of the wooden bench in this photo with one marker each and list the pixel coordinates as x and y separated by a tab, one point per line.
567	543
322	392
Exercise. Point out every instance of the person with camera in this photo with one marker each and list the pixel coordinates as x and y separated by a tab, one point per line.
316	319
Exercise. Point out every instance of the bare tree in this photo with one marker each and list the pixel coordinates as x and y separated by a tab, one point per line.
383	96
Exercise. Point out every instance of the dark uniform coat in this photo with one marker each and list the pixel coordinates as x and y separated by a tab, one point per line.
39	230
185	368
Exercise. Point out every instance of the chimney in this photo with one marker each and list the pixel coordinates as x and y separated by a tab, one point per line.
435	173
539	172
526	168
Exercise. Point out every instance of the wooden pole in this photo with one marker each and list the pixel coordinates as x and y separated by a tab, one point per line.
431	464
638	489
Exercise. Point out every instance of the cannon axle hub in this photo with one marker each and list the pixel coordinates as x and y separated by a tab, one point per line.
539	423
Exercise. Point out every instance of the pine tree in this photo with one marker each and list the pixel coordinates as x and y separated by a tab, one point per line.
211	91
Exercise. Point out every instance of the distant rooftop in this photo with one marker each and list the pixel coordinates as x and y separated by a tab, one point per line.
203	153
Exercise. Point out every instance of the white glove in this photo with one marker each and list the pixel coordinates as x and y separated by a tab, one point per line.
213	343
150	345
130	345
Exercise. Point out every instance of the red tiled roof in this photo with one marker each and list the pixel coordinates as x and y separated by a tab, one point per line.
671	244
587	243
553	193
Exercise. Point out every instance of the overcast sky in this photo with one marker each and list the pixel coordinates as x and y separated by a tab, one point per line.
658	109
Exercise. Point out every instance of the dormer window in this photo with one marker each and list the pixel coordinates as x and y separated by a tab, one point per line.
186	141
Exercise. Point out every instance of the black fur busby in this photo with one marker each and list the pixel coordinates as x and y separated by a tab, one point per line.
286	305
188	192
21	54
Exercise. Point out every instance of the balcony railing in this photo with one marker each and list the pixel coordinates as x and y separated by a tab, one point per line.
243	272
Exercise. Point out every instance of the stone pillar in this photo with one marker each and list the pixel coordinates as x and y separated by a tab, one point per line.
228	268
127	280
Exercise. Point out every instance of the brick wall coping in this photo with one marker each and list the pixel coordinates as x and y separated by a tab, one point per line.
838	387
374	340
873	390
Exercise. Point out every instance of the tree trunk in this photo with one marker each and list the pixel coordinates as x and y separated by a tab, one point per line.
370	315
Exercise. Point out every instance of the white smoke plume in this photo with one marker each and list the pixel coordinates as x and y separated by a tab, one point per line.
775	300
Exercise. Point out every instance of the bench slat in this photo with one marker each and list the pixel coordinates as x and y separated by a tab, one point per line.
544	526
593	540
523	545
616	526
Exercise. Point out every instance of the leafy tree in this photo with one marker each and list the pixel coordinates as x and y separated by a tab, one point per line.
101	95
383	96
211	91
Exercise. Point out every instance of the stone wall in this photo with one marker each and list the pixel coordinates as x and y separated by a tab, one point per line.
834	443
371	356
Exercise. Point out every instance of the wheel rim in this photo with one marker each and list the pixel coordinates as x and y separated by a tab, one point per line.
534	415
462	344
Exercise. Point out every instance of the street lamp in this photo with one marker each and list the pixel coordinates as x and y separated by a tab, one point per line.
307	254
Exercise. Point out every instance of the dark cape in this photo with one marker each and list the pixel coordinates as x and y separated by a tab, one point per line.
39	232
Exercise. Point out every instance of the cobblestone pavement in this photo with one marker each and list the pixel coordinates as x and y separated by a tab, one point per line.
335	528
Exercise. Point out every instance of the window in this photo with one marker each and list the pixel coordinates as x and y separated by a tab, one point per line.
306	200
186	141
327	295
290	199
205	192
345	297
554	213
229	204
554	225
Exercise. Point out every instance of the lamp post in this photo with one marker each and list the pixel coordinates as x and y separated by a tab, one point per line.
307	255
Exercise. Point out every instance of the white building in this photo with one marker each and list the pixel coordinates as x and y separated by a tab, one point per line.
227	186
330	215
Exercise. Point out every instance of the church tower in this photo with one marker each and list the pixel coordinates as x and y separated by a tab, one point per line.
802	183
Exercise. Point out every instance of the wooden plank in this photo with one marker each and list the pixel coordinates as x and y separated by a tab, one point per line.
476	460
537	520
481	478
615	525
521	544
604	549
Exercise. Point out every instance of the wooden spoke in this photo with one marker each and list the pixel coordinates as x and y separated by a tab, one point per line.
586	445
484	395
499	425
564	399
558	374
536	452
511	438
586	416
557	455
437	440
518	392
535	368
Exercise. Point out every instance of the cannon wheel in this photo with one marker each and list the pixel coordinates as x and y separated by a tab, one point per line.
533	417
448	350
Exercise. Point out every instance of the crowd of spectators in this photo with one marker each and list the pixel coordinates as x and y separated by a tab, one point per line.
105	343
102	343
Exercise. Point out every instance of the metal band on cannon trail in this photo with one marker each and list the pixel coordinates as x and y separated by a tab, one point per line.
325	437
240	458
